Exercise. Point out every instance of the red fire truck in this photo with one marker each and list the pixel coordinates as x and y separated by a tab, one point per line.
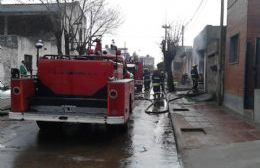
74	89
136	68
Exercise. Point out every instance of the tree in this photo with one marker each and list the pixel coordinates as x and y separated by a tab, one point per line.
160	66
169	48
79	23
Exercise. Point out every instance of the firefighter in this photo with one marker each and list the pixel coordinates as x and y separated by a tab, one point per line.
162	80
194	77
127	74
23	69
156	79
147	79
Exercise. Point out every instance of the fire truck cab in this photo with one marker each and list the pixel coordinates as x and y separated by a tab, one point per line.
136	68
74	89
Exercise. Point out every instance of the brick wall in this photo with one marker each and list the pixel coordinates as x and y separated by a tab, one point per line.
234	73
243	19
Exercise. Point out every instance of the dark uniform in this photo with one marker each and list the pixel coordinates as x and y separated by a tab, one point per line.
162	80
156	78
147	80
195	77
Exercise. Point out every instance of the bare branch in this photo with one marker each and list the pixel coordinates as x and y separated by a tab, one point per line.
85	18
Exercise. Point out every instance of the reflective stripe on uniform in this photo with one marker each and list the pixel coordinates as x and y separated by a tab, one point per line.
194	76
156	84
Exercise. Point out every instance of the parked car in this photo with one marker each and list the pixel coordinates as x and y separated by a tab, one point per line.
5	92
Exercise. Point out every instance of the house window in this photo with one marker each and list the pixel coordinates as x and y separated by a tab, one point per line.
234	46
28	62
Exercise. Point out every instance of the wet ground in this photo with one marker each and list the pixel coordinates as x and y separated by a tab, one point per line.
149	142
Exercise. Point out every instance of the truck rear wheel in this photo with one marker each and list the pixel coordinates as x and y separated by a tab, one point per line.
139	88
49	126
118	128
123	128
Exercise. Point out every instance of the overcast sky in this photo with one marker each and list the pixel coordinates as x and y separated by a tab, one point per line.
143	19
142	30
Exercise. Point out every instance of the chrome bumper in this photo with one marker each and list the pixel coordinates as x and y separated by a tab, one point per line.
72	117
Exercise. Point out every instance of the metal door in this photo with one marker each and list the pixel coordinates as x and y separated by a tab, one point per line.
257	64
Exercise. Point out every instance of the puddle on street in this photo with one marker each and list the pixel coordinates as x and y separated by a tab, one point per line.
149	142
152	141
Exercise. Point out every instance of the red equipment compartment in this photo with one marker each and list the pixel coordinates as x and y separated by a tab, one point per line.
75	77
120	94
22	90
139	73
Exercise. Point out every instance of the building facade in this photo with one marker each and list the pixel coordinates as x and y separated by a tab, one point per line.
21	26
206	55
242	63
148	62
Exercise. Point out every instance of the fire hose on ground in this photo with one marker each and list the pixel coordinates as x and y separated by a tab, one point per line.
164	98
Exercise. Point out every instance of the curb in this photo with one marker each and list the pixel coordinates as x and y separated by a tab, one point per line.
177	140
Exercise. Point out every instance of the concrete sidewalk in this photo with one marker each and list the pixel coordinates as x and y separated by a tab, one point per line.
234	155
5	105
209	136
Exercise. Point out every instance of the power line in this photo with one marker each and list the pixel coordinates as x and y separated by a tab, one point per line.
195	13
197	16
184	26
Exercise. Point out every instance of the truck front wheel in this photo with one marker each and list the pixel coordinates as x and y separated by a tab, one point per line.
49	126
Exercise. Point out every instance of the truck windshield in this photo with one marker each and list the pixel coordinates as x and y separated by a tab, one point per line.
132	69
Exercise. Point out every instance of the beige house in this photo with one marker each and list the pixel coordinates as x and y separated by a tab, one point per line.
22	25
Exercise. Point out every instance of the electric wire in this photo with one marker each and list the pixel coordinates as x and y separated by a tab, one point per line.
195	19
195	13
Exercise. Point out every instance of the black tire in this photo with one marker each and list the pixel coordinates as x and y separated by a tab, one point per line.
122	128
49	126
139	88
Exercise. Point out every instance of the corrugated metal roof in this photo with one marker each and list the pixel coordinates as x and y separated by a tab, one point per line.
28	8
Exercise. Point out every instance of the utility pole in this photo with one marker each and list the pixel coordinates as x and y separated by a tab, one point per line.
166	27
182	35
220	80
